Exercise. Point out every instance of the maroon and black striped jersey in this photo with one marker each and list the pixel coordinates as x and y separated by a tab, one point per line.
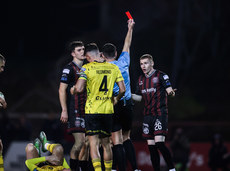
70	75
153	92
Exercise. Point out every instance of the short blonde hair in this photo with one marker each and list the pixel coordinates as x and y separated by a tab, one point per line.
147	56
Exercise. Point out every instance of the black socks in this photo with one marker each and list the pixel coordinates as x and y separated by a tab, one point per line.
130	153
119	156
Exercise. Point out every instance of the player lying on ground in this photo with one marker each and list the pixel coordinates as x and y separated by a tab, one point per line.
54	162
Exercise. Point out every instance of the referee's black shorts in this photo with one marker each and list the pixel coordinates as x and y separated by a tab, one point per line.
123	116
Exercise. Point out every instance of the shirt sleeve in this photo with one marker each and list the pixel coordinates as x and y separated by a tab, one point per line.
66	75
124	60
31	163
119	76
164	78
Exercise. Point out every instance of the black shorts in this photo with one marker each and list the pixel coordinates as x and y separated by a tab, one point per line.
123	116
76	122
154	125
98	124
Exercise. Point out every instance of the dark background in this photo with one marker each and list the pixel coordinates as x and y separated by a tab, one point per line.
189	40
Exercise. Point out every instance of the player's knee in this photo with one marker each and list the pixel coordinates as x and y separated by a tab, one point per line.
117	137
77	146
86	143
58	149
30	148
106	146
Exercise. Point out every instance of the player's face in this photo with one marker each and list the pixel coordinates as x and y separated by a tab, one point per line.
79	53
146	65
2	66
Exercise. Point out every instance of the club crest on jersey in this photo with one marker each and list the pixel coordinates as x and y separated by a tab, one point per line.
155	80
145	128
140	83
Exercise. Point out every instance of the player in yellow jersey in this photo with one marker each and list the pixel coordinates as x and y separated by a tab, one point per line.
99	77
54	162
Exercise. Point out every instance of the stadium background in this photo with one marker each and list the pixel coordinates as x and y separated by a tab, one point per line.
189	40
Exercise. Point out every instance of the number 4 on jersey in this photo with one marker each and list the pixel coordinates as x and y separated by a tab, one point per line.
103	86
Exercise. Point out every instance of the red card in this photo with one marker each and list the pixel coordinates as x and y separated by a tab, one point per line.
129	15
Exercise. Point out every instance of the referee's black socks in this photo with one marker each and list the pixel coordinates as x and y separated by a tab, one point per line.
130	153
119	156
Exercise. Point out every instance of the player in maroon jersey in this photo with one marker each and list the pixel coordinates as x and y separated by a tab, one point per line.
154	87
73	106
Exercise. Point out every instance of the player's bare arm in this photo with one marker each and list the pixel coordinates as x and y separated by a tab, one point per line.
128	38
121	86
54	160
79	87
62	98
170	91
136	97
122	89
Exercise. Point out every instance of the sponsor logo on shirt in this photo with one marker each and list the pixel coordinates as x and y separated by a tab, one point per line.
103	98
148	90
140	83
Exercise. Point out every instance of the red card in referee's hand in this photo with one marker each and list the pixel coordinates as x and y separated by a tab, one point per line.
129	15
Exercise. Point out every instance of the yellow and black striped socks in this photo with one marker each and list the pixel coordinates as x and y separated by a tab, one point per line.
108	165
97	164
50	147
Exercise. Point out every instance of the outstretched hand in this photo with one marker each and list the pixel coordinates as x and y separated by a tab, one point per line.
172	92
64	117
131	23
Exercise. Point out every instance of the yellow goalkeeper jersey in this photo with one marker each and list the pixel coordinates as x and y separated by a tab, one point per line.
100	77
